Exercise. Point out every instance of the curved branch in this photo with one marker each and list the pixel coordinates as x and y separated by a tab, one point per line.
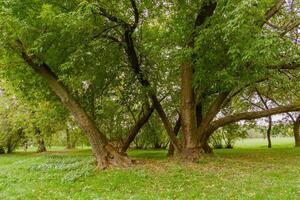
251	115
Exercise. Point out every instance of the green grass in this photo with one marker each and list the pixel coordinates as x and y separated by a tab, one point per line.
241	173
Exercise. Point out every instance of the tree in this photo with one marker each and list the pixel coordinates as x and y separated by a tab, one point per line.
93	54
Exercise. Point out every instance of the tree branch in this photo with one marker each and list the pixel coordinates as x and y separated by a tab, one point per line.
270	13
213	111
285	66
251	115
136	14
136	128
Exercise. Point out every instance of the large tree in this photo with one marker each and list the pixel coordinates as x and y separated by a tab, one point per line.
205	52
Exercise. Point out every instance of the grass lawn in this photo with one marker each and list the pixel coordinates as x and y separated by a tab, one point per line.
251	172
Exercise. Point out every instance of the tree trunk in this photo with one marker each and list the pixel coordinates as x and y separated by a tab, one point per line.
190	149
105	154
70	143
40	141
269	132
188	107
2	151
206	148
41	145
177	126
296	131
135	65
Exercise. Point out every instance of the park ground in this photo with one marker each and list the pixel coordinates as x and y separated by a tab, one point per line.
249	171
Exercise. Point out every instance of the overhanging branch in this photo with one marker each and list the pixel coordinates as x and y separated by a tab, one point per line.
251	115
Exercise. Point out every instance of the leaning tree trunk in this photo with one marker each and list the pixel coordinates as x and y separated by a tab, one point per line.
269	132
135	65
136	128
105	154
177	126
296	131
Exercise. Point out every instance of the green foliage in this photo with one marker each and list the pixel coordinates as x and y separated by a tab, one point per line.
233	49
152	136
228	135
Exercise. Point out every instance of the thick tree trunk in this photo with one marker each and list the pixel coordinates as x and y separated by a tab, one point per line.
41	145
105	154
188	107
296	131
269	132
190	149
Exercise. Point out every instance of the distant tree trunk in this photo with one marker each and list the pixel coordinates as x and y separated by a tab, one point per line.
2	151
269	132
40	141
9	148
296	131
41	145
70	143
105	154
264	101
